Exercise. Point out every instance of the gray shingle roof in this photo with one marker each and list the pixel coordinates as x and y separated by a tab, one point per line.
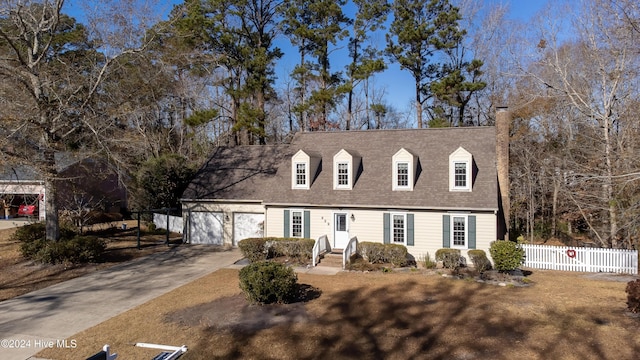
238	173
264	173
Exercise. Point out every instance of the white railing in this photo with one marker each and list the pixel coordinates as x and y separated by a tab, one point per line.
349	250
105	354
581	259
321	246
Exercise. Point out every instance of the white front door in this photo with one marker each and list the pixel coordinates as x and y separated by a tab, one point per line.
340	230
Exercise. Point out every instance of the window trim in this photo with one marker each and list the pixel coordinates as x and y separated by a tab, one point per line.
291	213
393	227
452	231
297	185
403	156
348	173
396	175
461	156
454	164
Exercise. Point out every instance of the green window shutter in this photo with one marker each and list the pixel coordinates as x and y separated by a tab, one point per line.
471	232
386	221
446	231
307	224
409	229
287	225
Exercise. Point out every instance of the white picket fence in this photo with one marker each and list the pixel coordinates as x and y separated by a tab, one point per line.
581	259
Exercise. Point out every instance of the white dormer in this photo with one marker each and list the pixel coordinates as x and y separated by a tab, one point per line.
404	166
303	169
460	175
345	166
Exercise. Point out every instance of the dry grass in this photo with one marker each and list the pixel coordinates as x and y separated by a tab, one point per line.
356	315
19	276
381	316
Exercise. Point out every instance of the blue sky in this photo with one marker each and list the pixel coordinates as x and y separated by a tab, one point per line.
398	85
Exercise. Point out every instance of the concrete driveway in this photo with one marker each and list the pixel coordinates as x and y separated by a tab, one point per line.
11	223
48	316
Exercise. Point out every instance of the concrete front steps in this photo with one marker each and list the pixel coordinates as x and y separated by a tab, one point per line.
331	259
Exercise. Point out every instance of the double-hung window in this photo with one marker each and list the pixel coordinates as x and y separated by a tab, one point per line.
403	170
301	174
343	174
460	176
296	223
459	231
399	229
402	174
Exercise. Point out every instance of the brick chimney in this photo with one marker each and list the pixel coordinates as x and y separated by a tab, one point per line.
503	123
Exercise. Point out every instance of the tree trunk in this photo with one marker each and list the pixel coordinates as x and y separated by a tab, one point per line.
349	110
418	105
554	206
608	185
52	224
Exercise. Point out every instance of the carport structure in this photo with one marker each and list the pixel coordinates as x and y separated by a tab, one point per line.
20	186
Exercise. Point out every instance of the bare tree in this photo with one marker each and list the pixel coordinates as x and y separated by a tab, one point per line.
592	77
55	68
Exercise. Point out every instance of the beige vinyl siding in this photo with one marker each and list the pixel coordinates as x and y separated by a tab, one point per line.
321	223
274	222
368	226
227	210
428	233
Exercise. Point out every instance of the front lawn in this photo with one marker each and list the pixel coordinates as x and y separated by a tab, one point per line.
355	315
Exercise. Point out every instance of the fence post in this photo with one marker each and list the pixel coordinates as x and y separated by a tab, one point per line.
167	241
138	230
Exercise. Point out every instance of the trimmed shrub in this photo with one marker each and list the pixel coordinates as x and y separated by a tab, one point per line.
479	260
83	249
395	254
507	255
633	296
29	233
372	252
377	253
254	249
33	246
268	282
299	249
79	249
451	258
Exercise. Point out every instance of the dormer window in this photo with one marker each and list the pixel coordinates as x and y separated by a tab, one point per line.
345	165
343	175
304	167
404	169
402	174
301	175
460	176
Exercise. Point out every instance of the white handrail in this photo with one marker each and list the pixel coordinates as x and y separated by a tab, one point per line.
321	245
349	250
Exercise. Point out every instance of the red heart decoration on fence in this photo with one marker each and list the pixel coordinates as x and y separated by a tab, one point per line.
571	253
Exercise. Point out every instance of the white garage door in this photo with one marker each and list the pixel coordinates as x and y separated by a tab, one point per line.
205	228
247	225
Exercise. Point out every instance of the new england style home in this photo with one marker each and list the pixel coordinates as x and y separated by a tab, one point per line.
423	188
